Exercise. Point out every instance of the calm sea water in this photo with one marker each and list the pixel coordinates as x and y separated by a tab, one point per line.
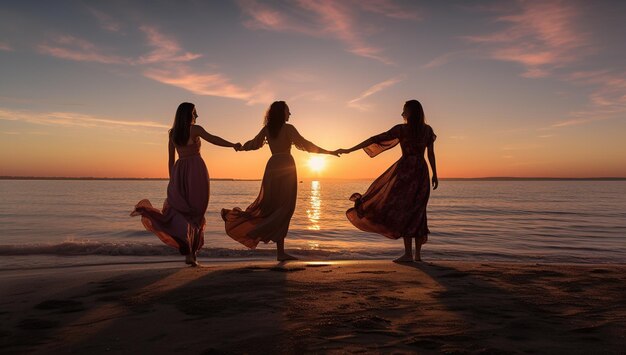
544	221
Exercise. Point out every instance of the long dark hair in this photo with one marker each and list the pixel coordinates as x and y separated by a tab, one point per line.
275	117
182	122
415	117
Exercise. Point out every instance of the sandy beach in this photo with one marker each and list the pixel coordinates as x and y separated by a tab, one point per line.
315	307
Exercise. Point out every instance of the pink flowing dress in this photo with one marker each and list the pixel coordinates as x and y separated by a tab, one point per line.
180	224
395	204
267	218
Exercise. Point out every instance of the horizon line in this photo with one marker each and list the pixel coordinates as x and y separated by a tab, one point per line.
486	178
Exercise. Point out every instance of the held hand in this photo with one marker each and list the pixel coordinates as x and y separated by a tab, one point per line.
237	147
435	182
333	152
341	151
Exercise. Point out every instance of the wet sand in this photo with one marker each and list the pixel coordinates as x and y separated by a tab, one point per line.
315	307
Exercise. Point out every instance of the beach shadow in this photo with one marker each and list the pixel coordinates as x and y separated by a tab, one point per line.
66	312
321	307
528	308
202	310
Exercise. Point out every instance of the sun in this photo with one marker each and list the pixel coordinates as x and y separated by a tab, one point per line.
317	164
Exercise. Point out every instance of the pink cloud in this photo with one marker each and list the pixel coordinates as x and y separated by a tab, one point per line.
446	58
326	18
73	119
166	49
607	96
356	103
389	9
541	36
208	84
106	21
69	47
5	47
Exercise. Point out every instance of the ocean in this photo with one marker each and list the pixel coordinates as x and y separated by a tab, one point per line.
63	221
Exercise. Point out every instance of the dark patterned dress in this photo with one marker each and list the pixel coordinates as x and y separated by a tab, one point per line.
395	203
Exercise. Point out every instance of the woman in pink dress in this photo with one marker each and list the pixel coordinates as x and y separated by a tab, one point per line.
267	218
395	203
180	224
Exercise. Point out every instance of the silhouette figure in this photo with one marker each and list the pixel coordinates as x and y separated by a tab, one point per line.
267	218
180	224
395	204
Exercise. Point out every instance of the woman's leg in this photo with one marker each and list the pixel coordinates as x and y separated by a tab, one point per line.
280	252
418	249
408	253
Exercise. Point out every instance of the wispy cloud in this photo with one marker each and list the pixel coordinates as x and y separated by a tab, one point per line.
313	95
165	48
106	22
72	48
33	133
515	147
208	84
541	36
357	104
389	9
326	18
5	47
607	97
162	64
72	119
445	59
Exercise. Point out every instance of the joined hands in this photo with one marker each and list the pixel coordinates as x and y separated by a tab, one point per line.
237	147
338	152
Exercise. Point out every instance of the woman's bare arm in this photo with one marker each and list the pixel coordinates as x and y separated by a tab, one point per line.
171	151
433	164
200	132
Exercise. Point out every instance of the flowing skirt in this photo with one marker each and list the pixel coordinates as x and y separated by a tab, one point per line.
395	204
180	224
267	218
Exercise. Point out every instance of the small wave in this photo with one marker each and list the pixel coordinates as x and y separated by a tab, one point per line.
77	248
85	248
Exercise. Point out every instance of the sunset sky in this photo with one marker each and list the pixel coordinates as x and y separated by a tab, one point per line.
511	88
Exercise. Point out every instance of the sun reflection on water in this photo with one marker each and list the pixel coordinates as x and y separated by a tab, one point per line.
314	211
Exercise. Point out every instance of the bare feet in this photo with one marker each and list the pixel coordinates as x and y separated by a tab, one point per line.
404	259
285	257
191	260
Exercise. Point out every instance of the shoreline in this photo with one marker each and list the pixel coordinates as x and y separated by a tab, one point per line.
493	178
258	306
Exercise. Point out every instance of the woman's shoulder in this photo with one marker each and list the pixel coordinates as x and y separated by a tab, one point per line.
397	129
196	128
289	128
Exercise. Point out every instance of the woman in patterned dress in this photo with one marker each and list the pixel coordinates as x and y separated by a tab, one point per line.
395	203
